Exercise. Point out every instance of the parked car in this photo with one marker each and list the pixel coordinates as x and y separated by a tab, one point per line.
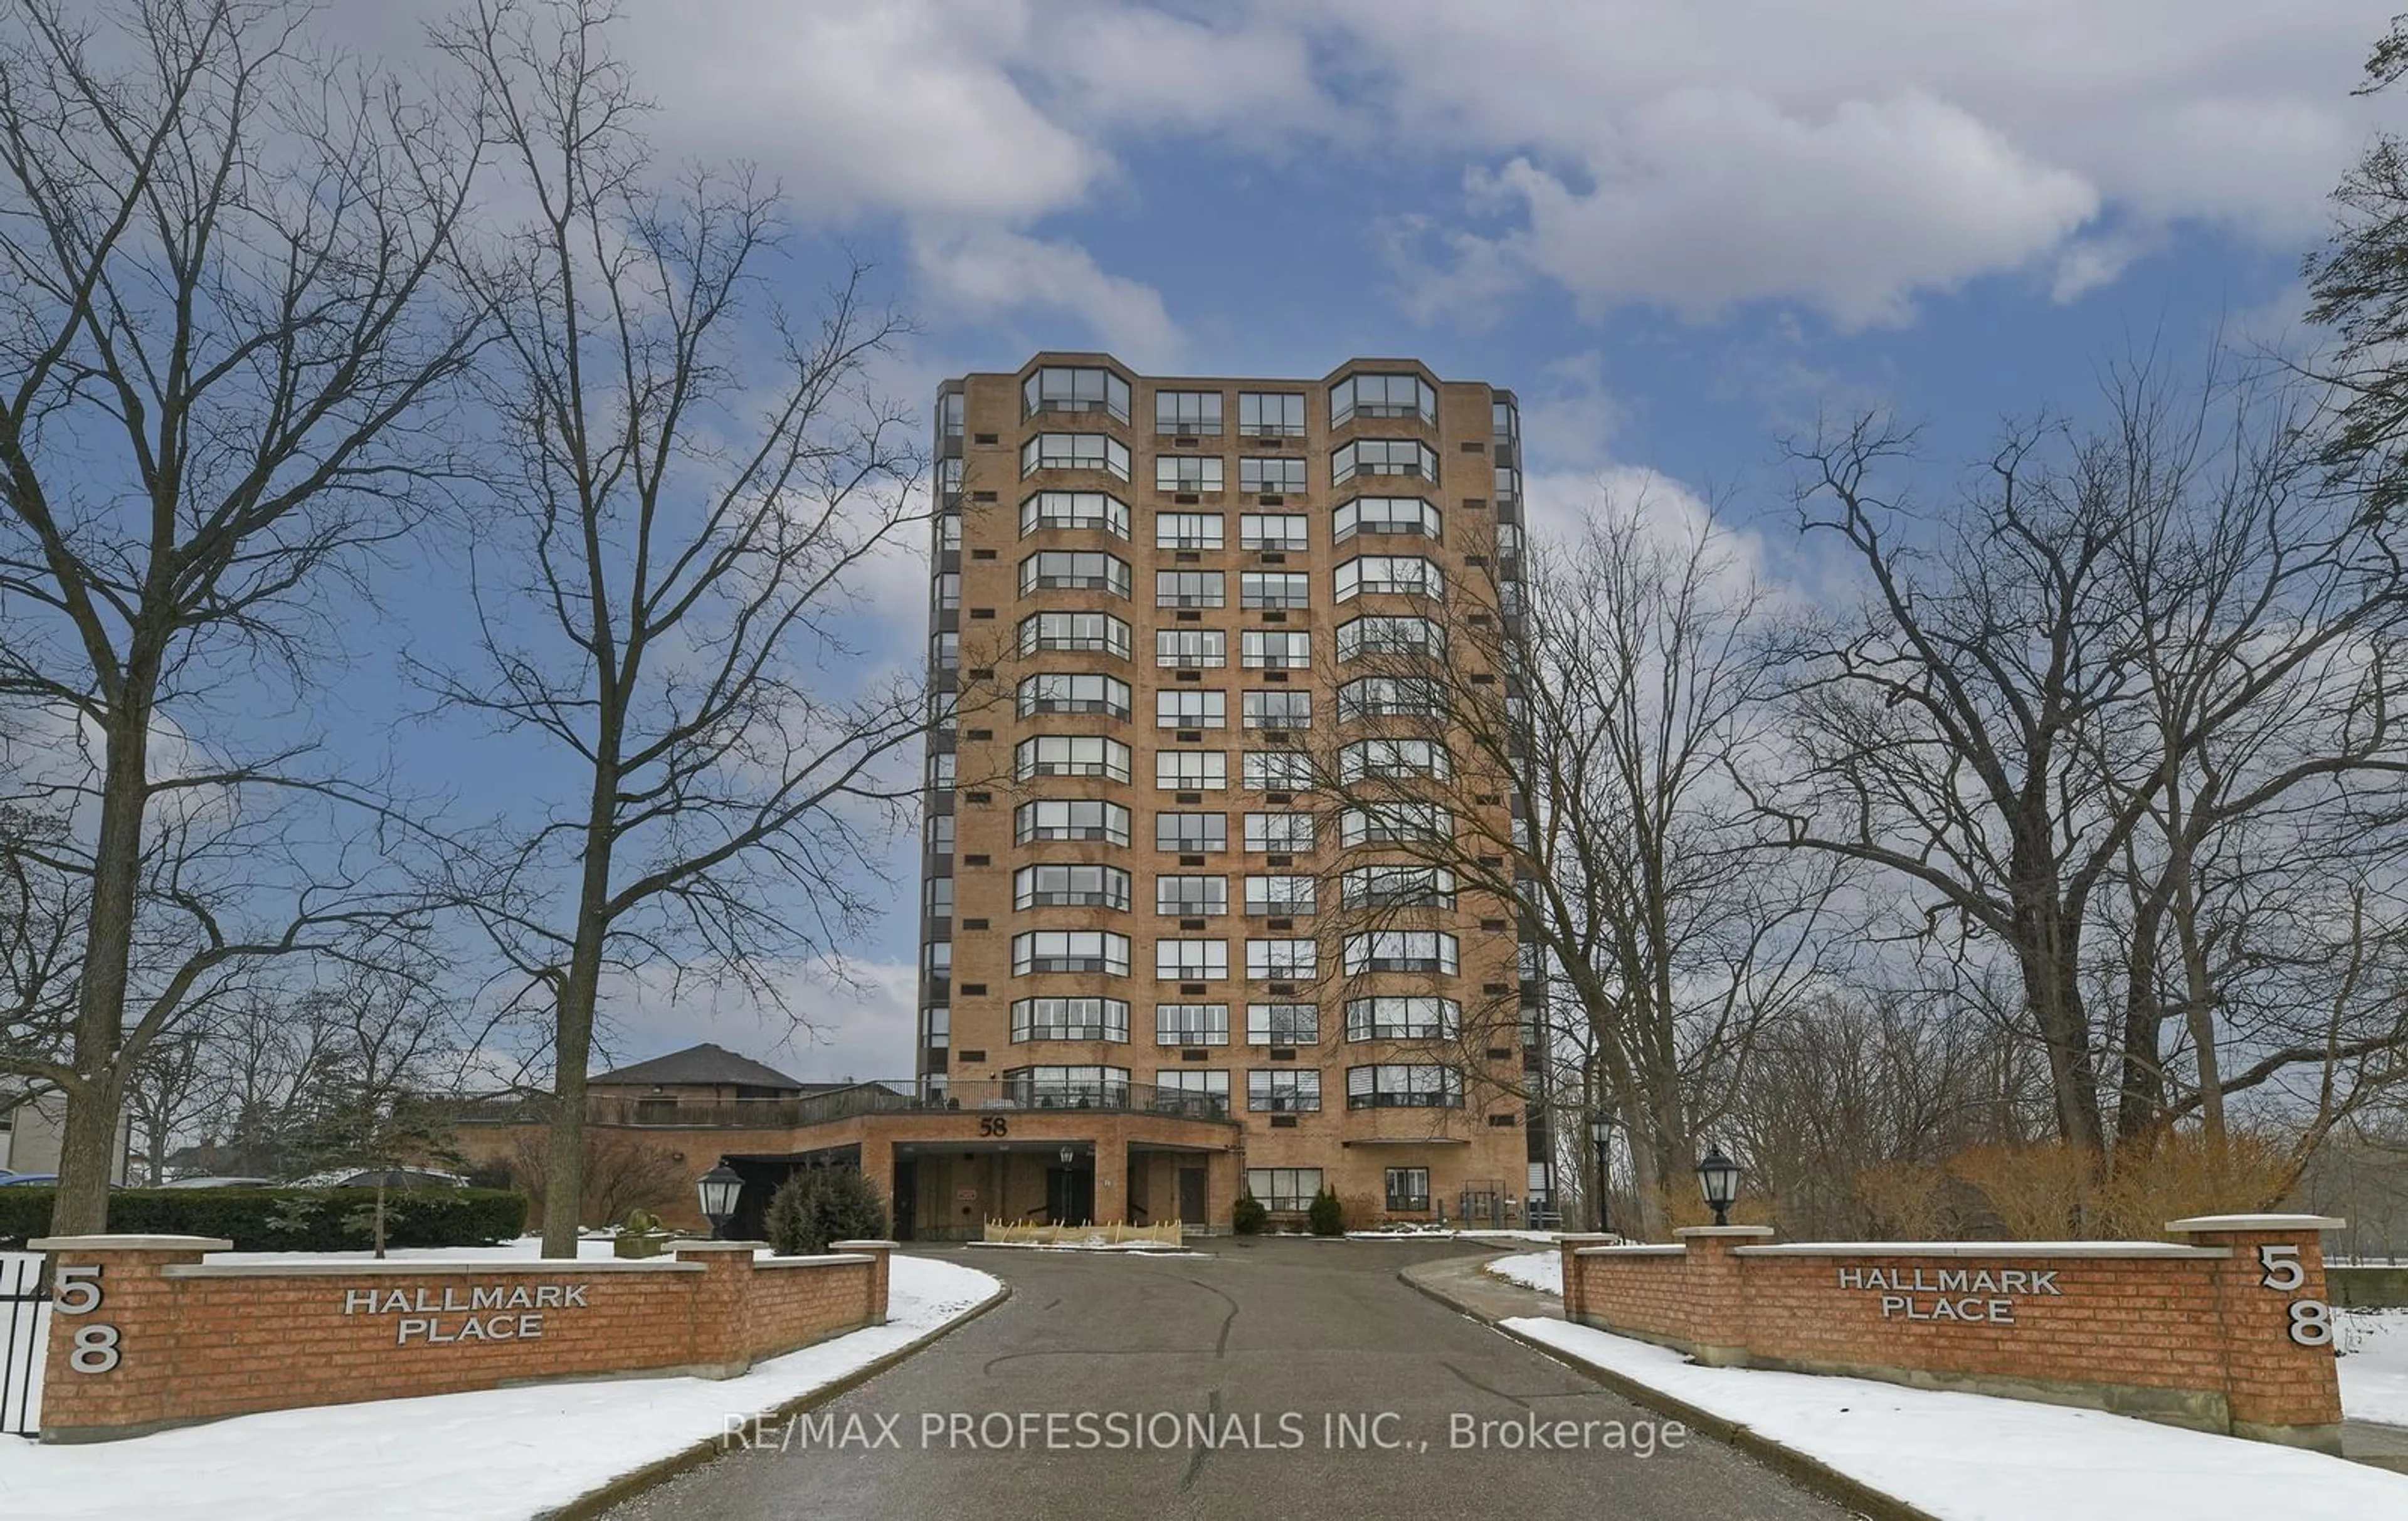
29	1180
404	1177
206	1182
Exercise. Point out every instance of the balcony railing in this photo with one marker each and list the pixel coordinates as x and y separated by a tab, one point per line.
893	1096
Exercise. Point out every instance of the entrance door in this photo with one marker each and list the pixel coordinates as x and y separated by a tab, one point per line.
1191	1210
906	1197
1071	1194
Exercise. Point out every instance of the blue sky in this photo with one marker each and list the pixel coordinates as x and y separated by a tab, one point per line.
1677	230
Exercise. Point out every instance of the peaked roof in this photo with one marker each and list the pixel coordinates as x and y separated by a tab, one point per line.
705	1063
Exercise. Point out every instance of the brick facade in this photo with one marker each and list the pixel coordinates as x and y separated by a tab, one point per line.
196	1340
2198	1335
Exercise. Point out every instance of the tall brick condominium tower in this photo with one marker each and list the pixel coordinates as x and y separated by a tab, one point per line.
1201	814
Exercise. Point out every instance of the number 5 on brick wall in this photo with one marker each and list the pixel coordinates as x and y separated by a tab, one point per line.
79	1290
2283	1271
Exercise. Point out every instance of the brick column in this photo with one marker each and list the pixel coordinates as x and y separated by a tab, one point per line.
1576	1292
721	1346
1112	1177
108	1291
878	1253
2270	1294
1717	1298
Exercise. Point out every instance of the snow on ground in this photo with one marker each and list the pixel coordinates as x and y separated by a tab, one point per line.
1541	1270
1447	1233
1971	1458
499	1455
2375	1365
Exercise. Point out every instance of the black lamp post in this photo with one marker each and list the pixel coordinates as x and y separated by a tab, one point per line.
1718	1175
719	1187
1600	1133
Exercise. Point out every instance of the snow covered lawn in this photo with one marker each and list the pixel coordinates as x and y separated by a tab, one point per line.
1969	1457
1541	1270
2375	1365
501	1454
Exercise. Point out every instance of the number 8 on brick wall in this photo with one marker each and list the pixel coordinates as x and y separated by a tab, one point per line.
78	1294
2311	1319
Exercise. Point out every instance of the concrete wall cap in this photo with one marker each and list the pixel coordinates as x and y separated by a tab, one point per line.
830	1259
1586	1237
131	1243
1983	1249
390	1268
1687	1231
698	1243
862	1246
2198	1222
1636	1250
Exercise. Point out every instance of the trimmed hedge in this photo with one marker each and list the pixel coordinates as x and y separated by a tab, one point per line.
287	1219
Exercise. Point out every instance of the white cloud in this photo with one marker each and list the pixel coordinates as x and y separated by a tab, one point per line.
988	272
1713	197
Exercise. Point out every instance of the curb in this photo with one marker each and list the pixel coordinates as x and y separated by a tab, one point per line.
1807	1471
627	1485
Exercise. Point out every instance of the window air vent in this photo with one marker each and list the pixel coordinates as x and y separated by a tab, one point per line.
1283	1054
982	496
1186	499
973	990
1191	987
1273	557
1279	923
1191	860
1271	499
1191	617
1192	1057
984	673
1189	676
973	924
1279	797
1283	1122
1191	924
983	438
1274	676
1191	736
1503	1122
1278	860
973	1056
1495	987
979	615
978	798
1473	447
974	860
1195	797
978	734
1187	557
1492	926
1499	1054
982	555
1275	617
1186	443
1287	989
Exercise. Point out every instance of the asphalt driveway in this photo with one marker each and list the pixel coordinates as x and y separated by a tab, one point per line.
1278	1377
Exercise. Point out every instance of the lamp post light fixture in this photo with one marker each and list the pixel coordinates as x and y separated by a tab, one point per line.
719	1187
1718	1175
1600	1132
1069	1156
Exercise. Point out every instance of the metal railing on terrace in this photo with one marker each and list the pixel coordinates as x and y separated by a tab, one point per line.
901	1096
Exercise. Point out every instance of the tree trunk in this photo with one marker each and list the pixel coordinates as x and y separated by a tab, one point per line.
88	1143
2046	949
564	1190
2140	1092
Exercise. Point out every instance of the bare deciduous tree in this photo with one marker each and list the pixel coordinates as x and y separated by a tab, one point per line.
220	338
694	485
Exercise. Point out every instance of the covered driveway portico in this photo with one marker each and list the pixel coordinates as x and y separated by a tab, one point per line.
946	1172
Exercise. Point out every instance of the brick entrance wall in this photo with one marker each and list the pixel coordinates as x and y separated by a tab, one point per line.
144	1334
2229	1333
